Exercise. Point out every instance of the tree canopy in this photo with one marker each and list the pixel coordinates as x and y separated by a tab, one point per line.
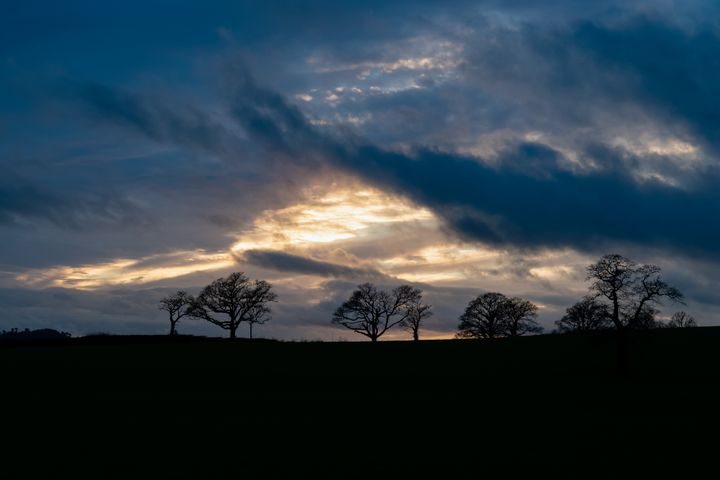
372	312
177	306
586	315
632	291
227	302
492	315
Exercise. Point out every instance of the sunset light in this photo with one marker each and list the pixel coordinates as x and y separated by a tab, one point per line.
458	148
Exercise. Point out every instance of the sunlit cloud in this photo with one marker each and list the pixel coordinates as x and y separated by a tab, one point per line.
552	272
433	277
405	65
127	271
429	54
322	221
348	226
648	145
328	217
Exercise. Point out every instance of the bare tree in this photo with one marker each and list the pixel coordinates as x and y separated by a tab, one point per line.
681	320
493	315
521	315
258	315
484	317
648	291
237	299
177	307
632	290
612	278
586	315
417	312
372	312
645	319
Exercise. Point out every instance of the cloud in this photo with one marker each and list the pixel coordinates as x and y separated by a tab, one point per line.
630	72
520	126
287	262
22	203
671	69
504	205
189	127
507	207
528	197
82	312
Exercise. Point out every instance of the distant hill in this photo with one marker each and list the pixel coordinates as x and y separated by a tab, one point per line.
41	334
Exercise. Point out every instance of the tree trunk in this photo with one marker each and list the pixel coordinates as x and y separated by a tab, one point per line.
373	338
416	335
622	352
172	329
616	314
233	331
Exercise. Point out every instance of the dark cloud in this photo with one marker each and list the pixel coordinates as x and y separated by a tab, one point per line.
18	199
22	203
507	205
674	71
503	206
528	199
287	262
589	71
189	127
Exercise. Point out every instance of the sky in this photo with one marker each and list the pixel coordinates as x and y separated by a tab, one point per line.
459	146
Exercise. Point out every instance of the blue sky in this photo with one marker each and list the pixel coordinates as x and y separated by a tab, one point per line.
463	146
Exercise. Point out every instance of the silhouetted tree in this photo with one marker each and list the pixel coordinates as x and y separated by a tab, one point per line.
521	315
258	315
586	315
177	307
681	320
484	317
649	290
612	278
645	319
417	312
372	312
632	290
236	298
492	315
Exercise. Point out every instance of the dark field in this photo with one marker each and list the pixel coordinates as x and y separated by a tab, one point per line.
204	408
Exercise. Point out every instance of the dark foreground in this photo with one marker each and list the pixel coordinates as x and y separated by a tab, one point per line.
131	407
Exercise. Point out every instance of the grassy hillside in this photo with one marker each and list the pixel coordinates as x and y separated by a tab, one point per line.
550	402
672	354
